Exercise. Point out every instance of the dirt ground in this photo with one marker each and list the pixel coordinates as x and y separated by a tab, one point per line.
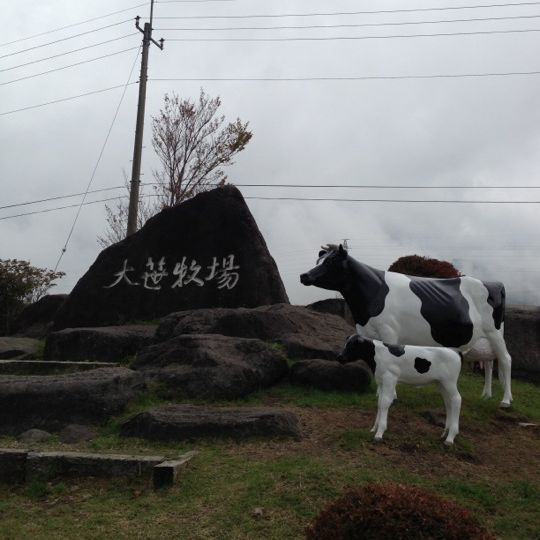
500	448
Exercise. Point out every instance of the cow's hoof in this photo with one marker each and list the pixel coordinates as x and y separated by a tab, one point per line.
377	439
449	443
504	405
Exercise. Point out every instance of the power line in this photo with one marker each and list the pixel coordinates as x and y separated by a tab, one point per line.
351	78
71	25
360	38
58	197
294	186
64	249
349	25
70	66
444	201
65	99
322	199
68	52
338	13
64	39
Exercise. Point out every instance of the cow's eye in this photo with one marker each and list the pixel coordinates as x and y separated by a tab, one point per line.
321	253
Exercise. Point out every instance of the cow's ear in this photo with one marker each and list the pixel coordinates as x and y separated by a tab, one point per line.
342	251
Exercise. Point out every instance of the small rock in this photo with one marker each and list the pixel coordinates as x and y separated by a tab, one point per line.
74	433
34	435
257	512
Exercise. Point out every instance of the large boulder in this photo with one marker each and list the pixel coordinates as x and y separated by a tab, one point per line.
522	334
51	401
102	344
35	320
205	252
304	333
19	348
212	366
331	375
181	422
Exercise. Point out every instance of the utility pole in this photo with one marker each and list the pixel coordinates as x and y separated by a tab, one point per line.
139	128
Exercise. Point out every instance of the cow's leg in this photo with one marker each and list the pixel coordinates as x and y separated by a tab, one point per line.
446	400
498	345
386	397
488	377
452	414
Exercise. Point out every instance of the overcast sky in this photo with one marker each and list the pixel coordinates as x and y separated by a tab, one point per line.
466	131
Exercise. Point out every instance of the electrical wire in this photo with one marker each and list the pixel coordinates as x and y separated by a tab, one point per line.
68	52
322	199
58	197
293	186
64	249
347	13
71	25
358	38
66	67
65	99
348	25
345	78
63	39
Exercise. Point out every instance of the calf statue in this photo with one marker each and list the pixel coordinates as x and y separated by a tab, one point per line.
395	308
408	364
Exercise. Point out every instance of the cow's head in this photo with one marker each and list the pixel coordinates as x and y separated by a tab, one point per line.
330	270
358	348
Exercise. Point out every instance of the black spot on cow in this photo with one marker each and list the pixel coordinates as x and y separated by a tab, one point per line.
365	291
421	365
497	300
359	348
445	309
396	350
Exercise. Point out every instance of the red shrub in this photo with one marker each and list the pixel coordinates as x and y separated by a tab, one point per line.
415	265
394	512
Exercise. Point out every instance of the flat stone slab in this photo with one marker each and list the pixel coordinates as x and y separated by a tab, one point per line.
21	348
51	401
18	465
182	422
48	465
105	344
44	367
12	465
167	473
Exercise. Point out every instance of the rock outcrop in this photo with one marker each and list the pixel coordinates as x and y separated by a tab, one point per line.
101	344
331	375
51	401
205	252
302	332
206	366
188	422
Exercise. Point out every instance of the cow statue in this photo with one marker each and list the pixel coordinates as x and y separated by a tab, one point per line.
396	308
392	364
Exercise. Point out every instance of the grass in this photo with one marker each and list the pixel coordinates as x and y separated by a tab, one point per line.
272	489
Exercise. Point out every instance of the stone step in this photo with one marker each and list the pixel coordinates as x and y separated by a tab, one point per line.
17	466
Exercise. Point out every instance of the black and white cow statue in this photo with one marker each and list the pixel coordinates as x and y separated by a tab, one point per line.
396	308
409	364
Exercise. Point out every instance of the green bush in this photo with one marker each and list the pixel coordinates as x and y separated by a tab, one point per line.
394	512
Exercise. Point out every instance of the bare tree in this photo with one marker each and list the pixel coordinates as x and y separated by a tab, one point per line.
193	146
117	216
